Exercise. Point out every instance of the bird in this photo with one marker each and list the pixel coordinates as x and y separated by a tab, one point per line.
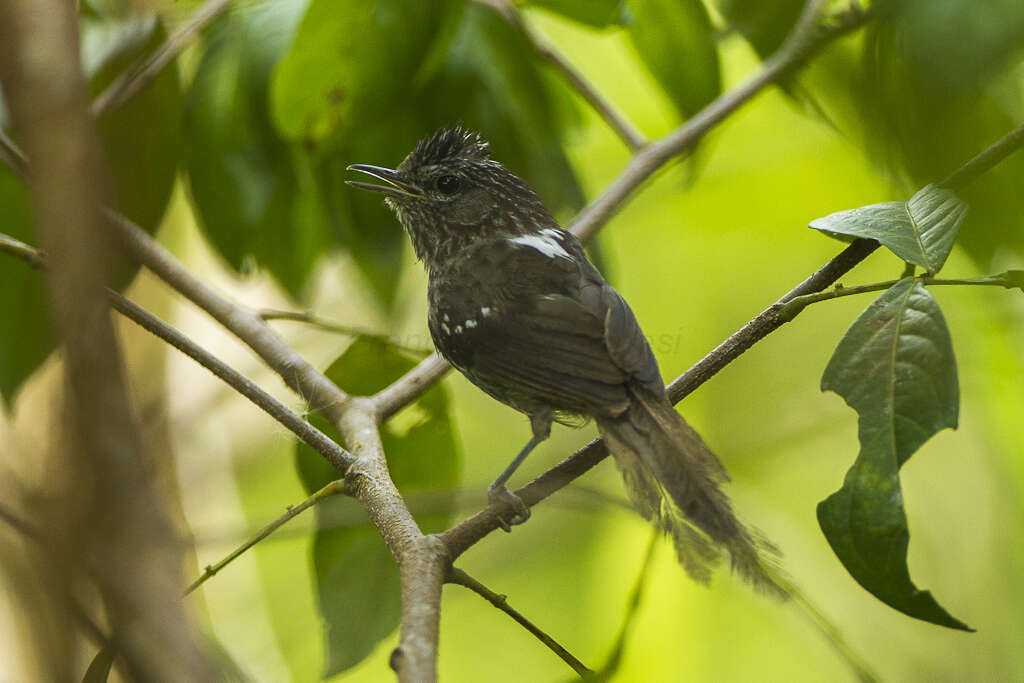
516	306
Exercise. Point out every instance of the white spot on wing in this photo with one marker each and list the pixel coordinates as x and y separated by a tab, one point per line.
445	328
458	329
545	242
485	311
470	324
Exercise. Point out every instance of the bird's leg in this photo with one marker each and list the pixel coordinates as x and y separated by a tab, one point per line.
540	423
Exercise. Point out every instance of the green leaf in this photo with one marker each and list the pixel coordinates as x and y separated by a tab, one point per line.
675	40
254	194
142	139
491	82
597	13
895	366
764	23
920	231
99	667
348	64
24	307
356	576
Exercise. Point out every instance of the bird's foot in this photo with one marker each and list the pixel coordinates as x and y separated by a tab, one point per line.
499	495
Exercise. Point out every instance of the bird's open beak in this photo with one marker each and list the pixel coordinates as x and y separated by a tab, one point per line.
395	185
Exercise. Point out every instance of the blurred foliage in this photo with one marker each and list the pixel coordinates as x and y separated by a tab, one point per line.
356	576
281	96
141	142
674	38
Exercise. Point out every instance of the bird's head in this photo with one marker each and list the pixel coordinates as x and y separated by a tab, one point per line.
449	192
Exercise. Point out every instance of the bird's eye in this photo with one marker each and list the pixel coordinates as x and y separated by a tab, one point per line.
448	184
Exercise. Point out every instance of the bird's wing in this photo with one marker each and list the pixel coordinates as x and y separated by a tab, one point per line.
561	333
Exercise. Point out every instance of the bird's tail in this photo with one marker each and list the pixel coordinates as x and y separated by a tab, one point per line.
674	480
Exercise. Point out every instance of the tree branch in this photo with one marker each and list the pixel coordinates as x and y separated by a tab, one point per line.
310	318
546	51
807	37
309	434
103	512
461	578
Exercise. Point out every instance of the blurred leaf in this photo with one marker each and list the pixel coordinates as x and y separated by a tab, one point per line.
895	366
598	13
490	81
764	23
675	40
99	667
349	63
141	144
142	139
24	307
925	87
252	193
920	231
356	576
345	91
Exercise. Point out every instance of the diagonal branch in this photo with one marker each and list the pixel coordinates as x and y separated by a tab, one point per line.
463	536
807	37
546	51
136	78
461	578
309	434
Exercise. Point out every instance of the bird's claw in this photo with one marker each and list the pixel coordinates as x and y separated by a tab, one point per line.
501	496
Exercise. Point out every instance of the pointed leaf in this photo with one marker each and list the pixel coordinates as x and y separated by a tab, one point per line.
597	13
250	189
356	576
99	667
895	367
675	40
920	231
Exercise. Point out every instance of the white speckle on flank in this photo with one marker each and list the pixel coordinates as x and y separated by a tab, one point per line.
485	311
458	329
470	324
446	317
545	242
445	328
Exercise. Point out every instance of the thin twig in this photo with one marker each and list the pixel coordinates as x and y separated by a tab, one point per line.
611	665
309	434
997	151
546	51
794	307
134	79
12	156
314	320
821	622
807	37
332	489
461	578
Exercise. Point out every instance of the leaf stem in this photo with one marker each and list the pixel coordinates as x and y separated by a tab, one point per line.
1011	279
332	489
